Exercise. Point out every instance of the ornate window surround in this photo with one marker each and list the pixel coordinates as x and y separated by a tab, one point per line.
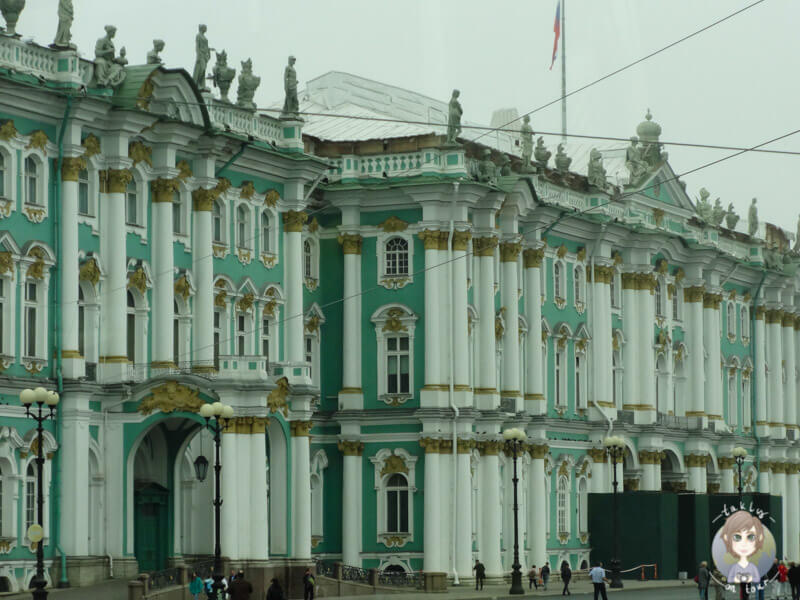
141	310
141	183
92	218
312	327
319	462
579	287
10	167
311	282
91	320
268	248
393	319
269	307
222	246
386	463
27	264
185	211
394	282
560	283
564	474
8	350
10	441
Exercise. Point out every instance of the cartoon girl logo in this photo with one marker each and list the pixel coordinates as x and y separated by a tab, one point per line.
743	548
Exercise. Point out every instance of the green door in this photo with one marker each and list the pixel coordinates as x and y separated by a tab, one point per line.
150	527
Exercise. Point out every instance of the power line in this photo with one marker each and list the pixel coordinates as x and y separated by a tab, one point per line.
634	63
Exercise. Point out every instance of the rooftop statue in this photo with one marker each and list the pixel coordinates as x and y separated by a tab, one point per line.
597	172
717	213
152	57
487	170
703	206
636	165
248	84
11	10
202	56
223	75
526	141
505	166
291	105
562	160
752	219
648	132
109	71
541	154
731	218
66	13
454	113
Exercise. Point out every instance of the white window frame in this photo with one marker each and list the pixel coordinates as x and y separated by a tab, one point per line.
314	336
661	400
407	319
746	400
730	320
49	446
562	506
559	282
140	183
310	279
8	315
616	378
41	175
579	287
744	318
184	339
9	496
559	374
9	169
615	291
242	332
269	338
183	232
268	244
29	515
222	205
658	298
581	387
91	322
243	231
381	481
733	402
582	498
319	462
397	280
140	312
40	306
677	303
85	178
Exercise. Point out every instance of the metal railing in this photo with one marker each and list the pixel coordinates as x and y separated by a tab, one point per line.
166	578
356	574
400	579
204	568
326	569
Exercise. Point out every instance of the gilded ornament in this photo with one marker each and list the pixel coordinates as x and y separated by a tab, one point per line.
277	398
350	447
761	312
351	243
164	189
430	445
138	280
182	287
581	256
658	216
6	263
271	198
597	455
91	146
90	272
394	464
788	320
430	238
746	298
269	308
562	251
145	94
391	541
615	343
223	185
184	170
247	191
563	469
532	257
662	266
484	246
774	316
499	329
138	152
169	397
36	270
300	428
115	181
313	227
693	294
245	303
617	257
219	299
461	240
509	251
538	450
7	131
294	220
679	275
203	200
393	322
71	168
39	141
393	225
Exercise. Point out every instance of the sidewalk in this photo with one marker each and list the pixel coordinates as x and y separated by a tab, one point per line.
112	589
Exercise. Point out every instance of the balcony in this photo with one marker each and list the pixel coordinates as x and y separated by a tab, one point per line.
242	367
62	67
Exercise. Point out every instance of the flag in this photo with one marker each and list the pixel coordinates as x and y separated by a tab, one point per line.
557	31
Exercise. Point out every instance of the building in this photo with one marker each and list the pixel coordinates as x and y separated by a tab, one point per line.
377	306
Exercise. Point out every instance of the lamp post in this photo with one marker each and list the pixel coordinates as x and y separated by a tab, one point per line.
41	397
221	414
615	446
514	439
739	454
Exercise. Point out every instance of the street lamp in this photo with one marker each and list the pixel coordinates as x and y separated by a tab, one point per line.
41	397
514	439
615	446
221	414
739	454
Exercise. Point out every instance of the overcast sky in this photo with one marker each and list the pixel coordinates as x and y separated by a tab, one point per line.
736	84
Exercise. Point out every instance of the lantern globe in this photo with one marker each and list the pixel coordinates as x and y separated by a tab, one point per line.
201	467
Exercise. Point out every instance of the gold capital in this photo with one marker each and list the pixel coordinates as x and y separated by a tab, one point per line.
693	294
164	189
71	168
431	445
351	447
509	251
597	455
293	221
115	181
484	246
774	316
712	301
351	243
461	240
430	238
300	428
203	200
538	450
532	257
760	312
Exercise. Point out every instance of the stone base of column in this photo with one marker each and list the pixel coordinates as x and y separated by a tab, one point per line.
535	404
697	421
463	397
486	399
351	399
777	432
513	399
603	411
113	369
762	429
434	396
717	424
162	367
642	414
73	367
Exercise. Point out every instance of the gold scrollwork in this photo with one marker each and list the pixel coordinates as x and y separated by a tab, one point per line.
38	140
138	152
351	243
90	272
393	225
277	398
394	464
169	397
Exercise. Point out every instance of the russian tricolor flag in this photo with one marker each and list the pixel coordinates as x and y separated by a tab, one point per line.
557	31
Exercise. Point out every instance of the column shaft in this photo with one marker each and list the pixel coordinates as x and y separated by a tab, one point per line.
351	312
693	315
258	510
602	356
433	352
775	377
789	390
483	250
432	545
632	351
537	517
293	275
760	373
351	516
464	517
203	271
713	368
75	482
491	514
229	522
301	490
646	373
792	499
68	261
163	191
534	387
509	254
459	317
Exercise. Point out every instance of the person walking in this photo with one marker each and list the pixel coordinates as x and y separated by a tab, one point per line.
545	575
598	577
793	576
196	586
308	585
566	575
533	578
275	592
480	574
240	588
703	579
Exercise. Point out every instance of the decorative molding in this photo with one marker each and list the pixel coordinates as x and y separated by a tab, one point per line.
294	220
351	447
138	280
39	141
91	146
300	428
138	152
247	191
169	397
89	271
182	287
394	464
184	170
71	168
8	131
393	224
351	243
277	398
484	246
271	198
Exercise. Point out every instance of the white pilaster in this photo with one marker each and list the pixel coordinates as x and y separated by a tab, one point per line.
293	276
433	353
509	297
229	519
203	272
646	412
491	509
713	367
602	356
459	319
789	388
693	316
760	373
631	355
464	514
775	375
534	385
696	464
256	447
351	396
74	410
727	467
301	490
792	500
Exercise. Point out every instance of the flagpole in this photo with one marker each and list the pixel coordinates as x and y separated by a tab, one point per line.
563	71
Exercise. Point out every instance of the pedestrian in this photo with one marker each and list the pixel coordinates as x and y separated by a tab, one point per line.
275	592
308	585
209	588
703	578
794	580
533	577
783	581
545	575
598	577
196	586
566	575
480	574
240	588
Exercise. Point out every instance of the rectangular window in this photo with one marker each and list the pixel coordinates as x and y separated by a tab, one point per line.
83	197
578	383
176	341
310	355
2	319
240	335
217	338
131	215
675	305
559	399
397	511
397	371
265	338
30	331
30	503
131	343
81	336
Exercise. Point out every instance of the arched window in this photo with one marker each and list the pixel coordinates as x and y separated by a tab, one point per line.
676	304
583	506
396	257
219	320
216	218
242	220
131	204
730	317
30	496
578	283
397	504
316	506
397	364
32	181
560	381
733	400
580	381
84	207
659	294
562	506
746	414
265	232
744	315
265	336
614	290
308	260
177	214
241	334
557	286
131	326
31	318
81	322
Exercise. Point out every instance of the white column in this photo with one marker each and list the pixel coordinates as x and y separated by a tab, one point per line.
631	354
760	372
163	191
778	488
650	460
203	271
727	467
351	513
229	521
241	501
433	543
693	315
113	353
647	367
789	390
433	352
459	316
350	396
602	356
537	517
483	250
775	378
301	490
114	455
509	297
534	385
696	464
443	290
792	500
797	368
72	361
257	509
764	479
74	410
711	339
490	505
464	514
293	276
